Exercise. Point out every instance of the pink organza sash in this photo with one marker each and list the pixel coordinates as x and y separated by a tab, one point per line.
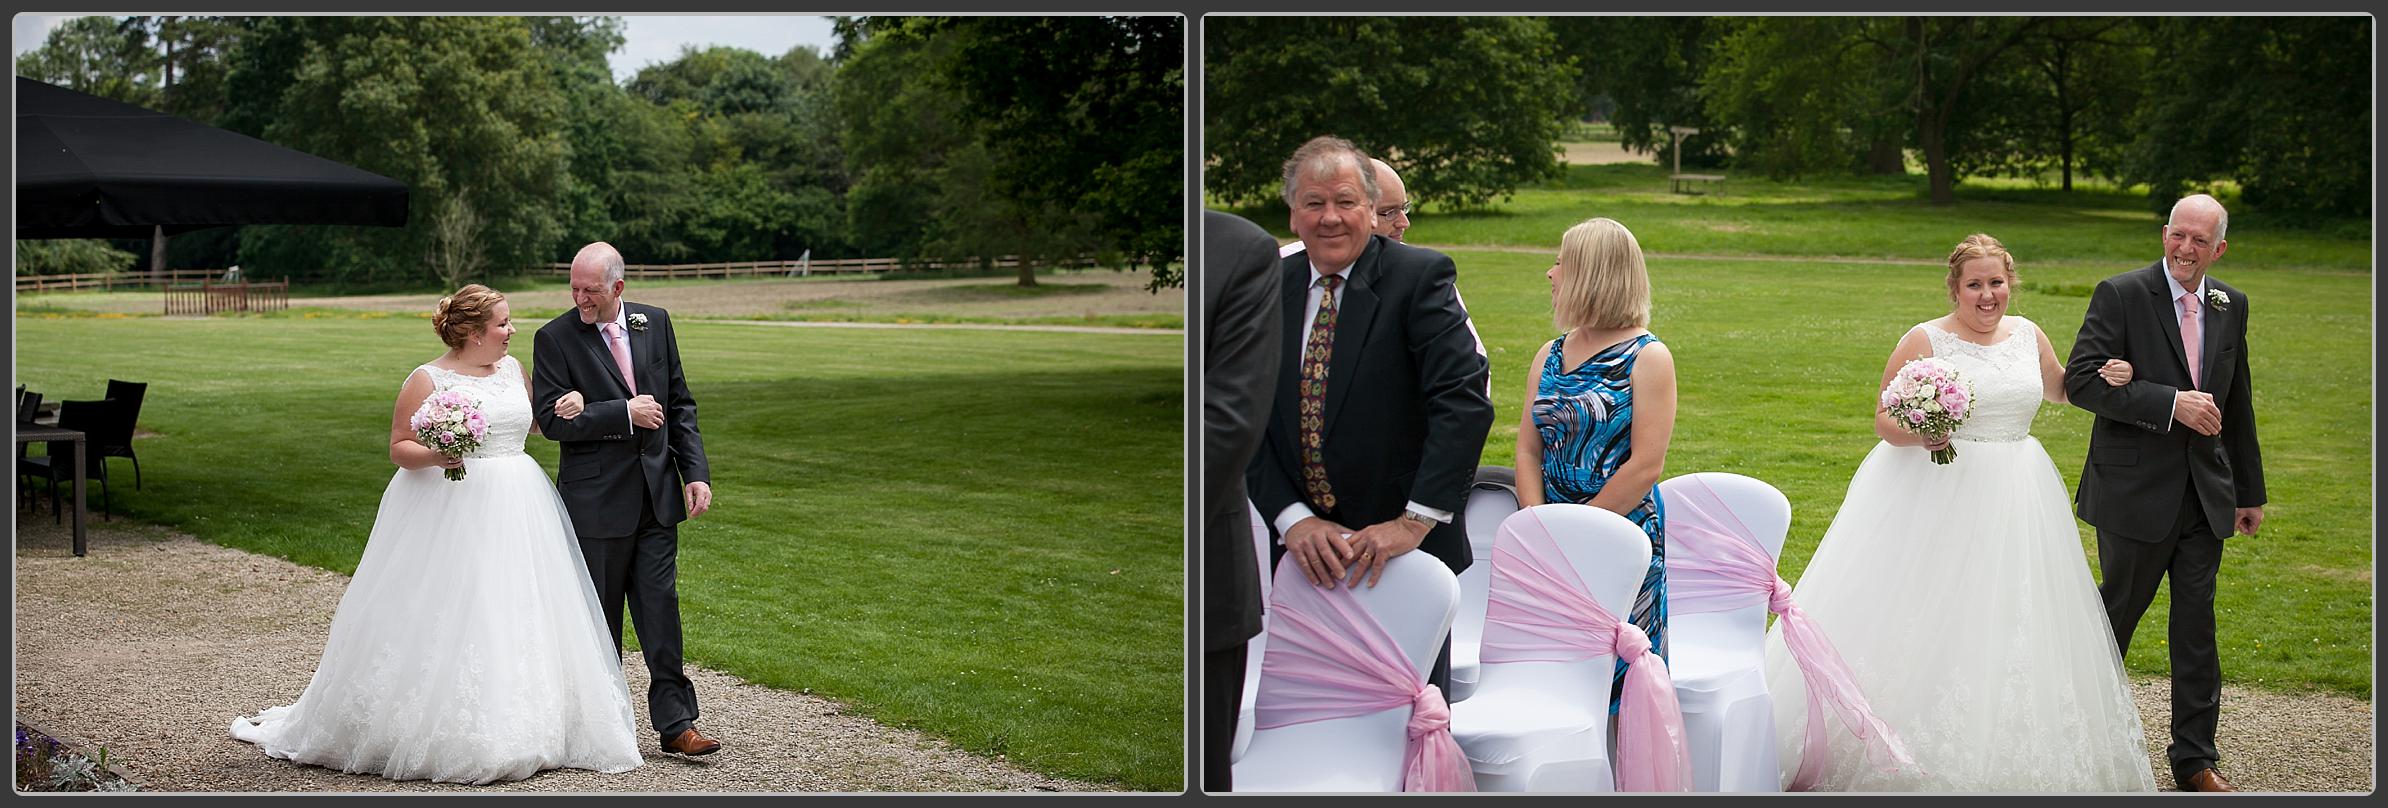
1714	564
1328	658
1537	611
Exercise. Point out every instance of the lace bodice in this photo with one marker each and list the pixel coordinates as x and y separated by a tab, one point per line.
2005	376
504	404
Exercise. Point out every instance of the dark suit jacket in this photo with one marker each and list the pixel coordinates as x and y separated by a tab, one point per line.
1239	372
1406	412
605	466
2141	462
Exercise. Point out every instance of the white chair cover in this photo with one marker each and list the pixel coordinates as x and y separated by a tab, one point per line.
1413	602
1542	725
1718	658
1491	500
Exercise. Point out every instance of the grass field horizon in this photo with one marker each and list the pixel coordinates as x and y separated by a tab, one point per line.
975	534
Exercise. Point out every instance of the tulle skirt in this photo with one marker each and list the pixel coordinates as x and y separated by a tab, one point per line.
468	648
1962	599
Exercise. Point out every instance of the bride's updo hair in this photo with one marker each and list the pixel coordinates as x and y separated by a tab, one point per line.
461	315
1977	246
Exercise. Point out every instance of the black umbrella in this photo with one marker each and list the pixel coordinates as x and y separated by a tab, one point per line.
90	167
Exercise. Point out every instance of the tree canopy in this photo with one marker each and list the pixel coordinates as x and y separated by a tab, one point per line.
518	144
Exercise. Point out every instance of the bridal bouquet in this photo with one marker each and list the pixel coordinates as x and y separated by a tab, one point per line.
450	422
1929	398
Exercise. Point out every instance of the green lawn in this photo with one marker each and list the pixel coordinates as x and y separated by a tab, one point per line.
1779	361
1857	217
972	533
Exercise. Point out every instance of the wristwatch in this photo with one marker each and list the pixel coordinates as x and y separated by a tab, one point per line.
1420	518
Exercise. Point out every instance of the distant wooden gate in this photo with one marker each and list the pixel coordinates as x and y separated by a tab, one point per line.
209	297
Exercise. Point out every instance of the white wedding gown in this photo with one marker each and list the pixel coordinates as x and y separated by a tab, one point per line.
1962	600
469	647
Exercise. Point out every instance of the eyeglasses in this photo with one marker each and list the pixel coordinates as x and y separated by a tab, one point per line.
1387	213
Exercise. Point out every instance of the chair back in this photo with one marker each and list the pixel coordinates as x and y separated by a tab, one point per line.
28	406
1491	498
1411	608
92	418
1608	554
1715	506
1258	646
128	396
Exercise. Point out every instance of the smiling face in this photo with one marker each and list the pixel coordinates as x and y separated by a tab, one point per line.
1333	215
595	297
1392	202
499	331
1980	293
2193	241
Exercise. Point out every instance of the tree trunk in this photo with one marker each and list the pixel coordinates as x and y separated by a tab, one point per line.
1886	156
1027	274
157	255
1936	160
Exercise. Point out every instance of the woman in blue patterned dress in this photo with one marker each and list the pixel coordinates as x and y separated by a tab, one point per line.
1601	403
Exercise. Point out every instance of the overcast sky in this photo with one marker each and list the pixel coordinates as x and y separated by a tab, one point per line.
648	39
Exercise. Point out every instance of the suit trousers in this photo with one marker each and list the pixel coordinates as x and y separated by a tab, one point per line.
2131	570
1222	701
642	569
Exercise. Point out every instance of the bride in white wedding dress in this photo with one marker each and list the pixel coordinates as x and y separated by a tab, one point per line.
1959	594
469	647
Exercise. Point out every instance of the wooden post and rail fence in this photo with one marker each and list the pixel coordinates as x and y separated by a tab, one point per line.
206	291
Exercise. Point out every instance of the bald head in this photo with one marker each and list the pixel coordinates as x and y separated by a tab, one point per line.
597	283
1392	201
2193	238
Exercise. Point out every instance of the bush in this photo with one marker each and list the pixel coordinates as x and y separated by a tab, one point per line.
71	257
46	764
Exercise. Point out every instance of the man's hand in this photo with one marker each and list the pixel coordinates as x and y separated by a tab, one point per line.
1380	541
1320	547
2195	409
570	405
2246	520
698	496
645	413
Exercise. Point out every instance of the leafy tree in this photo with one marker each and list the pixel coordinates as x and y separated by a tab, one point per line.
1084	119
922	180
2064	105
455	107
1804	95
1649	69
1468	108
102	56
2282	105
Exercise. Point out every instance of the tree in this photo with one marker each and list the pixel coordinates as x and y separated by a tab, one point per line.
102	56
1805	95
1084	119
1468	108
443	104
2282	105
1649	69
921	178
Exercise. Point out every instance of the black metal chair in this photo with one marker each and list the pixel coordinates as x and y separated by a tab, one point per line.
127	396
28	407
93	419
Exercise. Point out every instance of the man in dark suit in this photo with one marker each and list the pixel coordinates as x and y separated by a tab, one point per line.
2173	466
1239	371
1380	411
606	385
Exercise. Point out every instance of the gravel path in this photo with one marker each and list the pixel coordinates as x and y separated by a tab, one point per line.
154	641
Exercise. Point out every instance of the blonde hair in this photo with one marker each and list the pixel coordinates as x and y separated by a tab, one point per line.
1976	247
1602	280
461	315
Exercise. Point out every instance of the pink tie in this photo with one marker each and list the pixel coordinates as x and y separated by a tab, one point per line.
621	350
2192	338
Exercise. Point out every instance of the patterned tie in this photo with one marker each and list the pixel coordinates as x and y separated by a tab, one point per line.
1315	352
2192	337
621	350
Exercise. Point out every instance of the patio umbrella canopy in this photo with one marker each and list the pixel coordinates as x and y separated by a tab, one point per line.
90	167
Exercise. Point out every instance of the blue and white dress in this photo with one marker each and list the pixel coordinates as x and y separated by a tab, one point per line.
1585	415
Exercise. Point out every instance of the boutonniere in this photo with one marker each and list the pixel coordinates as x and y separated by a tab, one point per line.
638	322
2217	298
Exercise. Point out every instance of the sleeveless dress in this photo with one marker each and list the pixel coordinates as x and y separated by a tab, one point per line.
1585	416
1961	598
469	647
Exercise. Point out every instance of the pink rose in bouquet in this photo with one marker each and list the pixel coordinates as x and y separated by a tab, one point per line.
450	422
1931	399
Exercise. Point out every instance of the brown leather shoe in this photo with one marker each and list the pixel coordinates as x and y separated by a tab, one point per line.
692	743
2208	780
